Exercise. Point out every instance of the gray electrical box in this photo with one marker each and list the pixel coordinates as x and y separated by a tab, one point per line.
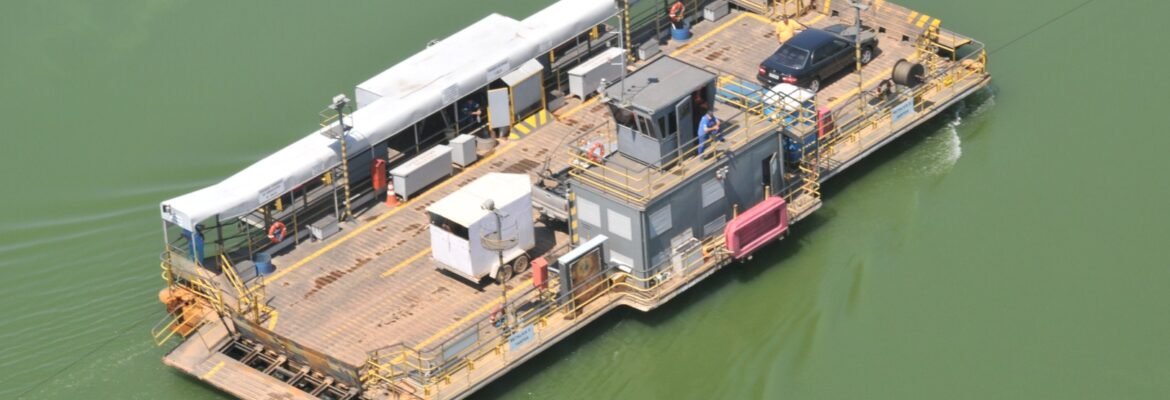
324	227
715	10
584	78
463	150
648	49
422	171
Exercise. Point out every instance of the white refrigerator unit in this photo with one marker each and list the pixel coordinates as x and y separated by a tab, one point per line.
460	221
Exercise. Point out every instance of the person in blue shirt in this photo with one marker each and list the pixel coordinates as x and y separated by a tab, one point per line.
708	130
469	115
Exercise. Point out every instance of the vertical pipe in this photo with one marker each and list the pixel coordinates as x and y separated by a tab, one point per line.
168	275
248	238
344	158
417	148
333	186
219	234
857	60
626	34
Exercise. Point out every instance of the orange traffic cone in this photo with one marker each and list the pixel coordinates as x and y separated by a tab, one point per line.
391	198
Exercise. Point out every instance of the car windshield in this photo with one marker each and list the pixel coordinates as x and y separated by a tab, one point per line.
791	57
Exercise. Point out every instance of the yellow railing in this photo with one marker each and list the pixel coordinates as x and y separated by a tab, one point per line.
944	78
173	326
640	184
429	369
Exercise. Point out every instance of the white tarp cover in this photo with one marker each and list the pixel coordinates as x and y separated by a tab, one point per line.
408	92
459	64
566	19
477	55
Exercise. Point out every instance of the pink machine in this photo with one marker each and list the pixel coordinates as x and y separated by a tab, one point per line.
756	227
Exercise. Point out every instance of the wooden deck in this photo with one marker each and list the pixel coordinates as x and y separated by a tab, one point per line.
374	284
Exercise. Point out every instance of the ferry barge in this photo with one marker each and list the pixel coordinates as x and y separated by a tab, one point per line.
402	251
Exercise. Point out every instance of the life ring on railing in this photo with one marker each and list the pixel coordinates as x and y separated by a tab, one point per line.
496	319
276	232
596	152
677	11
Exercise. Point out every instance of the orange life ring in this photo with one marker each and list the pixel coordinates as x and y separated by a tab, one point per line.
676	12
276	232
596	152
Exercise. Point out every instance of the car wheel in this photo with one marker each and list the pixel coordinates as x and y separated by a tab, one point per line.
866	55
814	85
504	274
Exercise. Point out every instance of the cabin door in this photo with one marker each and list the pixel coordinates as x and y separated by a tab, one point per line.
686	126
769	167
499	109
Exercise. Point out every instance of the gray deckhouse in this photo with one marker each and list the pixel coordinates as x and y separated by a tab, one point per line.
655	230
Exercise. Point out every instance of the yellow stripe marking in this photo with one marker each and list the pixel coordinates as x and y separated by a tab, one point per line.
272	322
827	3
362	228
936	22
922	21
406	262
472	315
760	18
816	19
852	92
213	370
523	128
708	35
578	107
913	15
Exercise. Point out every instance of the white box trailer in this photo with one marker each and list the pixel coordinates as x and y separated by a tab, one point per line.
459	222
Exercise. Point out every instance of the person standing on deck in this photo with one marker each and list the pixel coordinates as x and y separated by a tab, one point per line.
708	129
470	115
676	13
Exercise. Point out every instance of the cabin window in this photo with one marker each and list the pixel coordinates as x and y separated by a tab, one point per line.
619	224
588	212
623	117
660	221
449	226
671	123
646	127
712	191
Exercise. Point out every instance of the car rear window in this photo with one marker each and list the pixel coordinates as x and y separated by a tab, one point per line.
791	56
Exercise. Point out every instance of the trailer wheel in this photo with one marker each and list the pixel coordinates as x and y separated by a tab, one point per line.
520	264
504	274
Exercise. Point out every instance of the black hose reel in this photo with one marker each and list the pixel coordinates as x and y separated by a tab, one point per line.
909	74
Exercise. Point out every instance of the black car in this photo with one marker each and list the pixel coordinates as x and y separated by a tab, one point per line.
814	55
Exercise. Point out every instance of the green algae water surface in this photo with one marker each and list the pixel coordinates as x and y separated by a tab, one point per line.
1013	248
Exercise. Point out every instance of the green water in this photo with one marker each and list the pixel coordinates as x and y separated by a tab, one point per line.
1012	248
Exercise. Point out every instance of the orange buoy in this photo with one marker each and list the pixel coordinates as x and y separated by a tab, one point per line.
276	232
